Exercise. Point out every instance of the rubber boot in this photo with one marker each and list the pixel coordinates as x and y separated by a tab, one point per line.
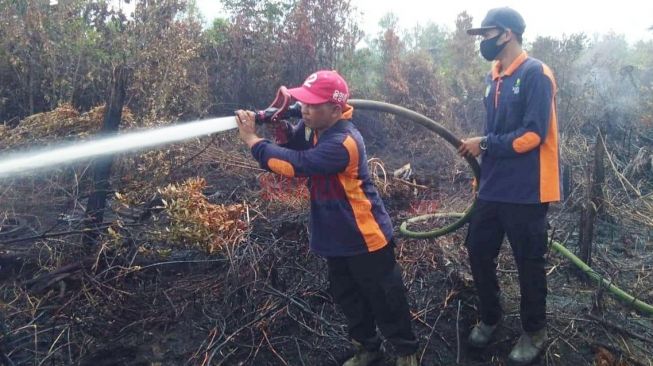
528	348
362	357
481	334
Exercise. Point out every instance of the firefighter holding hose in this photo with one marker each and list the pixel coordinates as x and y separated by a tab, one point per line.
349	225
519	178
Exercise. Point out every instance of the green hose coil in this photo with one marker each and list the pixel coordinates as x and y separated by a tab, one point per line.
451	139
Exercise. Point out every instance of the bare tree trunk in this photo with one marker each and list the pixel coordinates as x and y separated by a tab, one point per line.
593	205
30	86
566	182
598	179
102	166
587	216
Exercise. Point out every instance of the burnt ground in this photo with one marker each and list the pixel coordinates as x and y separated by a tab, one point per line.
264	300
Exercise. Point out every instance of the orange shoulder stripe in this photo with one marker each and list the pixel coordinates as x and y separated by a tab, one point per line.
547	71
360	204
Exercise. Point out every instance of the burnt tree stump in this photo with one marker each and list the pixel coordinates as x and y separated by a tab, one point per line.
102	166
595	177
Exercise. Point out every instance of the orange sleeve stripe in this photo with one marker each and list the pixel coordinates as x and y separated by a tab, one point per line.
281	167
360	204
526	142
549	165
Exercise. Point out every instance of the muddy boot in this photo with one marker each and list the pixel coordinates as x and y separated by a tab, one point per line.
410	360
481	334
362	357
528	347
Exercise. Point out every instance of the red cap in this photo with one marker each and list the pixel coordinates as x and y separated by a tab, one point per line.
321	87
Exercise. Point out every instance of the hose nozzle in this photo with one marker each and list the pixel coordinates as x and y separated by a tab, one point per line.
280	108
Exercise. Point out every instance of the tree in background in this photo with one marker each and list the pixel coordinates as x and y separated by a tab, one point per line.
562	55
164	47
66	53
464	74
51	54
393	86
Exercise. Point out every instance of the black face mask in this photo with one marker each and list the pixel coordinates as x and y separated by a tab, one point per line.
489	48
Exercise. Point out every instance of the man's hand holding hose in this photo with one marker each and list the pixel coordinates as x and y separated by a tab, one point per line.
247	127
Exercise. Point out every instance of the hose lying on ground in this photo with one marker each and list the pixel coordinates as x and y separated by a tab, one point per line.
463	217
445	134
616	291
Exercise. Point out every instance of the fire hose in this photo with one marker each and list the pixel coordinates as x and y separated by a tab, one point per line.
430	124
463	217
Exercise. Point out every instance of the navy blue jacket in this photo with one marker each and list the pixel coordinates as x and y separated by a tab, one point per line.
521	163
347	215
